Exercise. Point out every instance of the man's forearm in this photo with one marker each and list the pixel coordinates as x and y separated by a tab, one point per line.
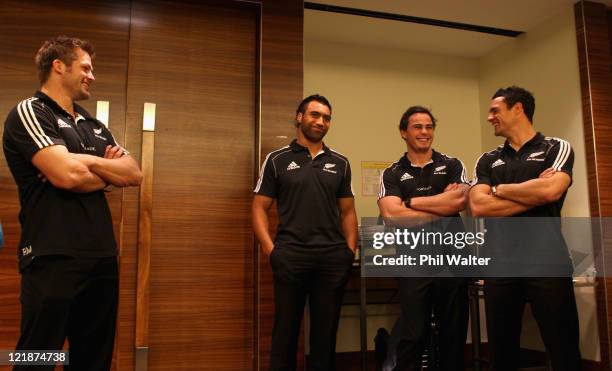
443	204
489	205
401	211
121	172
534	192
402	216
261	226
88	182
348	222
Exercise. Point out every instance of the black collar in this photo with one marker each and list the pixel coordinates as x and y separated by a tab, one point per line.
296	147
537	139
435	157
49	101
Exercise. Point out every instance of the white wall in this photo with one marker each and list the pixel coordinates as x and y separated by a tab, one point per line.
371	88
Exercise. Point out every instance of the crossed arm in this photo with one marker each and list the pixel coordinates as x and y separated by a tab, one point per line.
86	173
512	199
426	208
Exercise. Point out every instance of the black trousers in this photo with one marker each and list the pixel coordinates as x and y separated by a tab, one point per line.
448	299
75	298
554	307
320	275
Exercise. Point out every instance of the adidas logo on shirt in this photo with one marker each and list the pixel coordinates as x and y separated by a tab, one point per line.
406	176
497	163
293	166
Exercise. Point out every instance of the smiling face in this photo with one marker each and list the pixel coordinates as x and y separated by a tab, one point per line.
419	133
314	123
78	76
501	117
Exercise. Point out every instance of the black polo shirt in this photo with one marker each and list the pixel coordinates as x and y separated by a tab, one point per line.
532	246
405	180
504	165
307	191
53	220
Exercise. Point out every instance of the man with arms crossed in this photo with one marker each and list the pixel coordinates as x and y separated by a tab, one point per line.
62	158
526	176
314	248
425	185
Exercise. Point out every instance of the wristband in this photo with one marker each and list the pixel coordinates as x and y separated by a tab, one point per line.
494	191
408	202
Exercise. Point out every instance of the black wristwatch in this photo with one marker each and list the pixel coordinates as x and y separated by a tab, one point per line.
407	202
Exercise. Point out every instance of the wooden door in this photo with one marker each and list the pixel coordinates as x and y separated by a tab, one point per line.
198	64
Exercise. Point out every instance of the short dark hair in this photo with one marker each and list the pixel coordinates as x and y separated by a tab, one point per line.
403	125
514	94
62	48
315	97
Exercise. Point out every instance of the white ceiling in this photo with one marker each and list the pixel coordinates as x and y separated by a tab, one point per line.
517	15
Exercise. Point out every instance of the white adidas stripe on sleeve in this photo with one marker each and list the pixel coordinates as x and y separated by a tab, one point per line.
31	124
563	155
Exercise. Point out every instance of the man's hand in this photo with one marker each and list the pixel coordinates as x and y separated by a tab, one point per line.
113	152
451	201
267	250
60	168
547	173
483	203
451	187
548	187
115	167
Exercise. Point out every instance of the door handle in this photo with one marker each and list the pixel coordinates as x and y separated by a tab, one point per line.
145	216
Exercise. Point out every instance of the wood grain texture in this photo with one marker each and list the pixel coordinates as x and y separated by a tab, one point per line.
281	91
595	63
24	25
145	216
197	63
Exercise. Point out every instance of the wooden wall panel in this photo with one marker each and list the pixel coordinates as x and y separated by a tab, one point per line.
197	63
24	26
595	63
609	12
281	91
